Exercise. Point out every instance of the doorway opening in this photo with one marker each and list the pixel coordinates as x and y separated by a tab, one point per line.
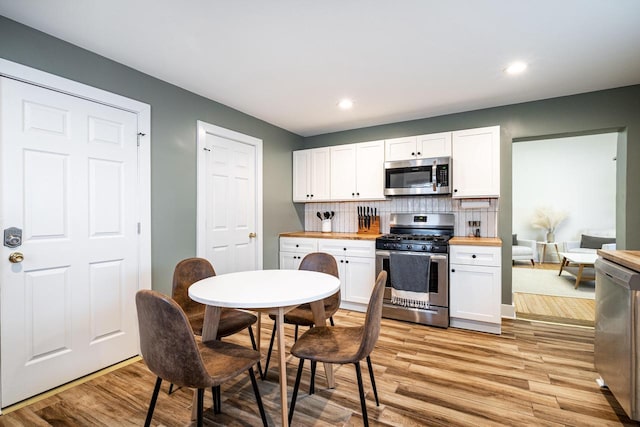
564	194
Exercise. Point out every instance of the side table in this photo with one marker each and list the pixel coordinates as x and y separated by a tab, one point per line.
544	245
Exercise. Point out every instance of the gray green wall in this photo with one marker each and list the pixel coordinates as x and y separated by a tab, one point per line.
615	109
174	113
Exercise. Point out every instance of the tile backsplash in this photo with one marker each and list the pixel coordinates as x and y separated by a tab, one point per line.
345	219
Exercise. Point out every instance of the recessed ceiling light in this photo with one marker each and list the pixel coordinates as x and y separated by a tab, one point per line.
516	68
345	104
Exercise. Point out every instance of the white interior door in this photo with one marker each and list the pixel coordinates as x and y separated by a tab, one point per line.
228	188
69	178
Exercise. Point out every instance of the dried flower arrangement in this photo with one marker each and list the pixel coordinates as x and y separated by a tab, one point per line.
548	219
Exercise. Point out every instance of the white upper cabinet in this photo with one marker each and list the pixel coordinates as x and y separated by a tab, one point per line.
400	149
311	175
475	155
418	147
357	171
434	145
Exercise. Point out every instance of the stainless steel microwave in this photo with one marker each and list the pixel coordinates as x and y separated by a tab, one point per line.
418	177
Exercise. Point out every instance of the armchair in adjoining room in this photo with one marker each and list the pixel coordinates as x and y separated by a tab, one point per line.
523	250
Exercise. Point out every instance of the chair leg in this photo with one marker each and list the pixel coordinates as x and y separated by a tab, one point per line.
373	381
200	404
331	321
170	388
217	400
295	338
294	396
152	404
312	382
363	402
266	364
254	384
533	263
255	347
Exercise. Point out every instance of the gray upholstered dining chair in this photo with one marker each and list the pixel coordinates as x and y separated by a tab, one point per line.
342	345
173	353
187	272
303	315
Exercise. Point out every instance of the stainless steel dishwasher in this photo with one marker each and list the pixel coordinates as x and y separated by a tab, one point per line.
617	333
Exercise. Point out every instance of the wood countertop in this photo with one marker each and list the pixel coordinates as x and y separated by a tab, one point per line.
320	235
476	241
629	259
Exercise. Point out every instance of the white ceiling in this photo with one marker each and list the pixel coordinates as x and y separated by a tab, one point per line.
288	62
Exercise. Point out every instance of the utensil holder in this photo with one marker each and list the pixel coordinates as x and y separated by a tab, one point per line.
374	227
326	226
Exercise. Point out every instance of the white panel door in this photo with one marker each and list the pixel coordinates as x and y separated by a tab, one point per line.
69	181
230	204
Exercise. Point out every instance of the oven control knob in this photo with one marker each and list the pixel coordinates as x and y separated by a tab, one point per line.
424	247
409	247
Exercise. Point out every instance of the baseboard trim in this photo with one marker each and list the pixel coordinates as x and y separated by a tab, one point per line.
508	311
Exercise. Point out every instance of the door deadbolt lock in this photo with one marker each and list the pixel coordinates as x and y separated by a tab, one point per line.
16	257
12	237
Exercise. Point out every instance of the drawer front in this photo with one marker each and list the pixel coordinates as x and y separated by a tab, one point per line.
298	244
475	255
351	248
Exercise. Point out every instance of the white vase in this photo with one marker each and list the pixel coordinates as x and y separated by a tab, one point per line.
551	237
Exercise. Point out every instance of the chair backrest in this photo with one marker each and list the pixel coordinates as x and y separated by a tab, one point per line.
373	317
324	263
167	343
187	272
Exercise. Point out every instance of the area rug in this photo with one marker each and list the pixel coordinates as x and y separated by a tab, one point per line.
547	282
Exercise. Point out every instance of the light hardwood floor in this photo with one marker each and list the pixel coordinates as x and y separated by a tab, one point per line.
571	311
533	374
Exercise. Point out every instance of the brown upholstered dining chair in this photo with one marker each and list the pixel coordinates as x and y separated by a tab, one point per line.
187	272
302	315
342	345
173	353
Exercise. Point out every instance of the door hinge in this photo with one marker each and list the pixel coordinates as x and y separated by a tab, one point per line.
139	228
140	134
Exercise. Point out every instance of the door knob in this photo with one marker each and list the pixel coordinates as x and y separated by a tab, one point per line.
16	257
252	235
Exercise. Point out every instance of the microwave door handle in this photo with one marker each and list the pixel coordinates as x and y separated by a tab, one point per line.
434	177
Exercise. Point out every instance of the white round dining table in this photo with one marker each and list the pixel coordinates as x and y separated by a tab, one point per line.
273	291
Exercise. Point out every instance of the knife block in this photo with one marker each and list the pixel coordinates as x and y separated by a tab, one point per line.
374	228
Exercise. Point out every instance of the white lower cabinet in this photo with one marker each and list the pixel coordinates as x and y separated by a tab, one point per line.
356	264
356	268
475	288
293	249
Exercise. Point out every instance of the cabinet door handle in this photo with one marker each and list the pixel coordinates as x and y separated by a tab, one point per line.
346	262
341	260
453	270
297	246
455	190
418	153
473	256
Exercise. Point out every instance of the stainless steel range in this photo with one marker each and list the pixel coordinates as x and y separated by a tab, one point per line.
425	237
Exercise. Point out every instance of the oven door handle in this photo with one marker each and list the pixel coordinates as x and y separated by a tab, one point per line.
435	257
